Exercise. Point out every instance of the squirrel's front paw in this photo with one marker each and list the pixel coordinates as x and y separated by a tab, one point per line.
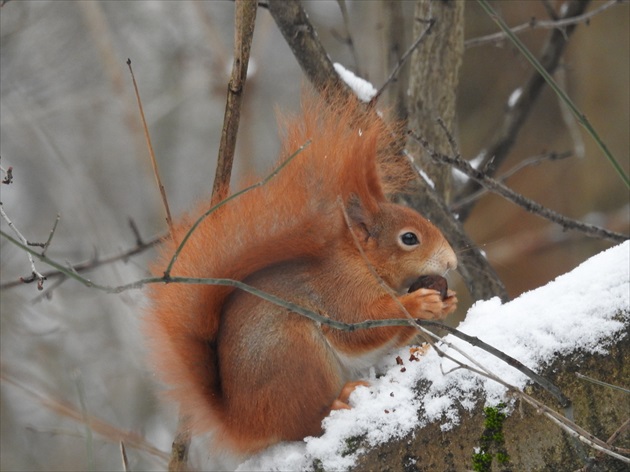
428	304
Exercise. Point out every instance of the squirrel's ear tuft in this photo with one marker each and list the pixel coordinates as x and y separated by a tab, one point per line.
372	177
359	217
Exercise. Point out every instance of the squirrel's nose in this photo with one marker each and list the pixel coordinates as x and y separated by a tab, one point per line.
449	258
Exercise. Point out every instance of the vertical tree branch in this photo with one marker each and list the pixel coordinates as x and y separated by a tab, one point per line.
433	82
393	40
432	104
244	20
301	37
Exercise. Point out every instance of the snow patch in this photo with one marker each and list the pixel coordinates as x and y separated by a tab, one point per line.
361	87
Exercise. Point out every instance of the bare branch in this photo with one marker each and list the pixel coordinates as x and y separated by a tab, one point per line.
542	24
169	220
474	341
602	384
94	263
559	91
46	245
35	275
519	108
528	162
8	175
573	430
244	19
300	35
524	202
403	59
223	202
123	456
622	429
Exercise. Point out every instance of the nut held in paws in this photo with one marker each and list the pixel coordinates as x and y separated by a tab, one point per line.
433	282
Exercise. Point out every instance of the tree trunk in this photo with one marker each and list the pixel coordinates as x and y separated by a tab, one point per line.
433	83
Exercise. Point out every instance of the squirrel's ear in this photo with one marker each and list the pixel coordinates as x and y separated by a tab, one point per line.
359	218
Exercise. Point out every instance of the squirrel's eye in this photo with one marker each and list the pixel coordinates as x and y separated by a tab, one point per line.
409	239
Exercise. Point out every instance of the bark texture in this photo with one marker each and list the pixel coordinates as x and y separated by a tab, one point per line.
433	83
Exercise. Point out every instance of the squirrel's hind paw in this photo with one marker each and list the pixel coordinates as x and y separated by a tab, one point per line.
341	402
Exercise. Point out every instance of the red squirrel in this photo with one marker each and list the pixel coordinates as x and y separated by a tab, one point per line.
321	234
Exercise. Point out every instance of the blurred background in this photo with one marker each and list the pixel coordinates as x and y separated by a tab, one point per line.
70	129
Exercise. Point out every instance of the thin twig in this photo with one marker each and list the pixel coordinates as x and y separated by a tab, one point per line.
581	117
98	425
93	263
528	162
8	175
474	341
570	122
215	207
619	431
600	383
169	220
521	102
35	274
533	207
540	24
573	430
565	423
51	234
123	456
403	59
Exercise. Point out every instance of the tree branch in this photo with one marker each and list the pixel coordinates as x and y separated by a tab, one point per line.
518	109
541	24
95	262
156	173
559	91
35	274
533	207
245	18
301	37
403	59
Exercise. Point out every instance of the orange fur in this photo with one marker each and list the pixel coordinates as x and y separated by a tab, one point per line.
253	371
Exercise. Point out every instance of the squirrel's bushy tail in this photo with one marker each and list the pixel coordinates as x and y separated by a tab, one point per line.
295	214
